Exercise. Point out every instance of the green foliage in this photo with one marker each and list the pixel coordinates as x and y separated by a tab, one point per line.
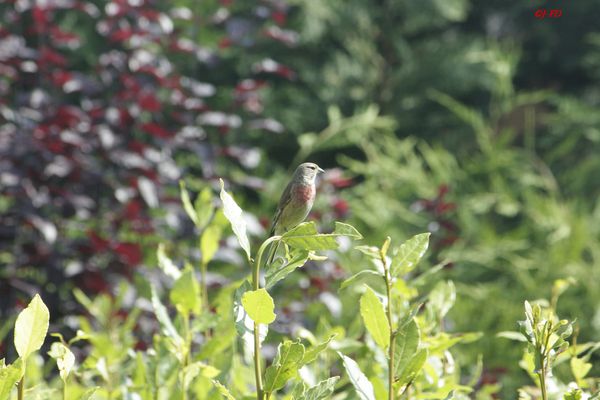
305	236
374	318
259	306
31	327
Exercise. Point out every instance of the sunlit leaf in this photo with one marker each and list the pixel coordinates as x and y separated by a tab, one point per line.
31	327
167	327
274	275
322	390
234	214
187	203
285	365
313	352
413	367
9	376
185	294
361	276
223	390
374	318
305	236
406	344
203	207
407	255
209	241
259	305
166	264
361	384
65	360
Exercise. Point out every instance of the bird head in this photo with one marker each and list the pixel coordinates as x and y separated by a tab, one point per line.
307	172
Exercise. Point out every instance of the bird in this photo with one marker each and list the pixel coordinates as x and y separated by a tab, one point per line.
296	201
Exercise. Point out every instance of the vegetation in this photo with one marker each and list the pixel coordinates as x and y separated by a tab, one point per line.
143	146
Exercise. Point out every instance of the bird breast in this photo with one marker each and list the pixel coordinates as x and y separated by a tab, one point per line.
304	193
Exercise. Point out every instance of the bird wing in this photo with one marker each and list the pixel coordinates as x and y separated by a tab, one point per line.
285	199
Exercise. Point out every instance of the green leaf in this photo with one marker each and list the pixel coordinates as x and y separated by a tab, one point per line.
209	241
233	212
407	256
579	368
321	390
244	325
371	251
65	360
88	394
285	365
167	327
191	371
361	384
313	352
441	299
9	376
406	344
361	276
31	327
187	203
374	317
274	275
305	236
385	246
185	294
165	263
573	394
203	207
223	390
259	305
412	369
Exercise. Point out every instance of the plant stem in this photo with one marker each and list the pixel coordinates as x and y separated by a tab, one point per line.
203	289
65	390
256	286
21	388
542	376
388	286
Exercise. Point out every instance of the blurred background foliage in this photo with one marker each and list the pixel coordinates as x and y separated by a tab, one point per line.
473	120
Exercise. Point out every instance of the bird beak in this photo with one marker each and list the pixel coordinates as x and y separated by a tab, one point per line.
321	170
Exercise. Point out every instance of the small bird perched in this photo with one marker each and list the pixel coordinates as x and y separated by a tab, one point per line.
296	201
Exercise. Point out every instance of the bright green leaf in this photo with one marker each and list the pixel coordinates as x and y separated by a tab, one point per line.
406	344
371	251
88	394
285	365
259	305
374	318
187	203
573	394
167	327
361	276
412	369
65	360
305	236
31	327
209	241
579	368
361	384
185	294
9	376
203	207
406	257
191	371
274	275
234	214
223	390
313	352
321	390
166	264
